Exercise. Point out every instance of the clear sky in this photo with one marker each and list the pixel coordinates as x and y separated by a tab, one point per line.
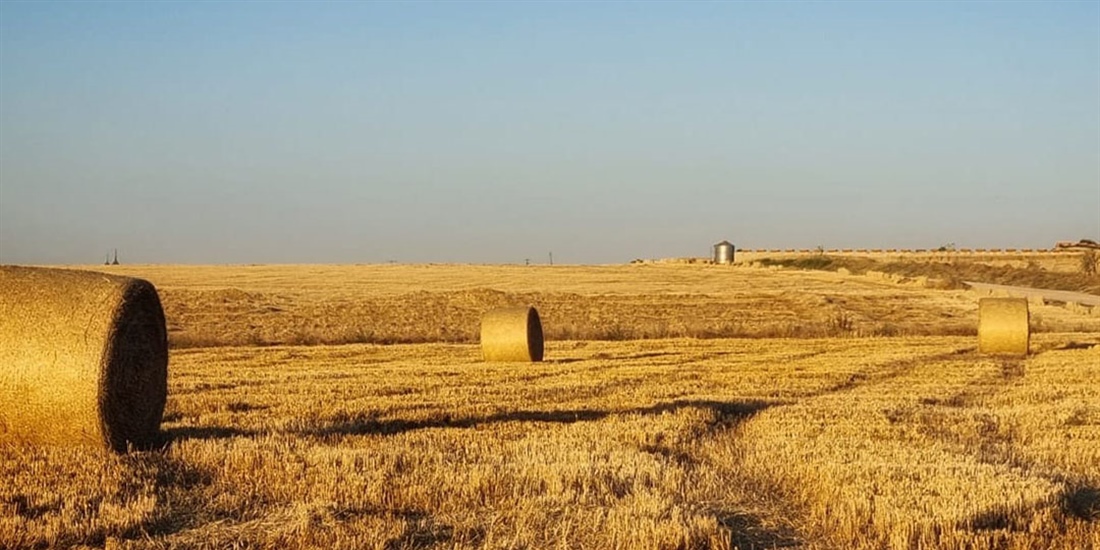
353	132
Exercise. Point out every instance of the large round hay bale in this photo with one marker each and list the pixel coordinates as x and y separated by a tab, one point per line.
511	334
1003	326
83	358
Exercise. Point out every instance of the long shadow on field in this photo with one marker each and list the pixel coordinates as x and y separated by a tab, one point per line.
642	355
726	410
181	496
564	360
363	424
1083	501
421	531
748	532
1075	345
727	413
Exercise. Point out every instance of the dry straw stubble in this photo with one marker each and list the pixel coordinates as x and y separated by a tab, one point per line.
512	334
1003	326
83	359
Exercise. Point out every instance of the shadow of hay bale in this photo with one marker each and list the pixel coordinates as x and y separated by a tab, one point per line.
1083	502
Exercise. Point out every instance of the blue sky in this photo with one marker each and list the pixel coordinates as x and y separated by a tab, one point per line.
348	132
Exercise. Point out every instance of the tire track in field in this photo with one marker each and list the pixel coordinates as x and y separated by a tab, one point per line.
995	446
770	507
747	525
886	371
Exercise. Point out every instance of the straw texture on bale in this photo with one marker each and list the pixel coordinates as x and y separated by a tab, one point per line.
83	359
1003	326
511	334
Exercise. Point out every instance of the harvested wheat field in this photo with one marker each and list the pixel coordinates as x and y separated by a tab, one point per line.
677	406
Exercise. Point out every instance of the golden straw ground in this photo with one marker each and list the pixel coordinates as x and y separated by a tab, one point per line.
512	334
841	442
83	358
1003	326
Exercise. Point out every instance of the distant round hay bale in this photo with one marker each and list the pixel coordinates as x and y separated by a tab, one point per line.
1003	326
83	359
511	334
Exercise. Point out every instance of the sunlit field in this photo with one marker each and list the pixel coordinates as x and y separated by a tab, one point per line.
311	304
680	406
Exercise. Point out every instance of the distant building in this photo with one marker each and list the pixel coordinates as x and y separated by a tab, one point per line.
724	252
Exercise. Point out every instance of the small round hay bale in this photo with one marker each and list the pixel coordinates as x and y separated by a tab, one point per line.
1003	326
511	334
83	359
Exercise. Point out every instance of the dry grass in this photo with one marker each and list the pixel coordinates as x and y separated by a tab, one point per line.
900	442
1060	261
951	271
311	305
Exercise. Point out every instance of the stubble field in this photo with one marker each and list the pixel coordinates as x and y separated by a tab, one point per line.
680	406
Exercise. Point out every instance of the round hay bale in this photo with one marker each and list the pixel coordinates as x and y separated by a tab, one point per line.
511	334
83	359
1003	326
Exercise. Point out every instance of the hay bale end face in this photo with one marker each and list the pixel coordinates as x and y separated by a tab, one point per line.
83	359
512	334
1003	326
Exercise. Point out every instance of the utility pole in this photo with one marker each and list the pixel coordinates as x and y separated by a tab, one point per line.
551	257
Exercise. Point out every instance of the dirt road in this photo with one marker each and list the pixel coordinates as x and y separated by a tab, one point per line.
1052	295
